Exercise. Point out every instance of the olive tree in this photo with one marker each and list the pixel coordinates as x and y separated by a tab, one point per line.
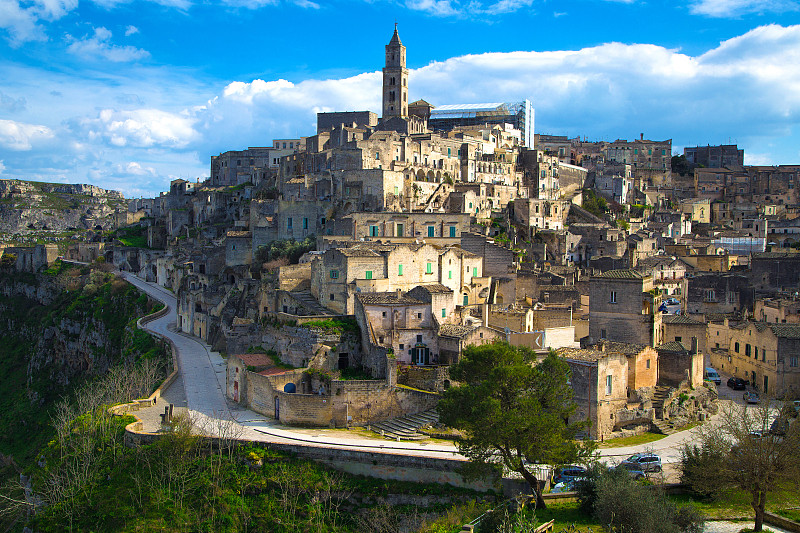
738	451
513	410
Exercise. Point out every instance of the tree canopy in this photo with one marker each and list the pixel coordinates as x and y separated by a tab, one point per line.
744	450
513	410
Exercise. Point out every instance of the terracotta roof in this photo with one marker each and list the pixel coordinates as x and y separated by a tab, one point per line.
386	298
256	359
454	330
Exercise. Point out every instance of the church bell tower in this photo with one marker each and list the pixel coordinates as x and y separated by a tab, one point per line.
395	79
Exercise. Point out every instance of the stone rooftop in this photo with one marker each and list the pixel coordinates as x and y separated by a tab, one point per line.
681	319
387	298
673	347
621	274
454	330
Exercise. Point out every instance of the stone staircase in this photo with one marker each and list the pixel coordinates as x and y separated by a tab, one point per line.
310	302
661	426
406	427
658	423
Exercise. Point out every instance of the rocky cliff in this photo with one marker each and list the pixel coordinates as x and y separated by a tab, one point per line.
60	329
28	206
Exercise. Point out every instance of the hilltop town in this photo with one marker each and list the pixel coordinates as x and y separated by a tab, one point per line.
343	272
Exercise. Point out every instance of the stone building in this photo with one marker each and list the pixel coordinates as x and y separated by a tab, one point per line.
623	307
608	381
767	355
725	155
651	160
680	365
595	240
681	328
536	213
340	273
777	310
775	271
401	324
398	227
718	293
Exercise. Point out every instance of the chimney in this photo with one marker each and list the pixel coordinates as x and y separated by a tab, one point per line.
694	345
399	293
641	136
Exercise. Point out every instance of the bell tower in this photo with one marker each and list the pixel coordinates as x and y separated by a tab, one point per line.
395	79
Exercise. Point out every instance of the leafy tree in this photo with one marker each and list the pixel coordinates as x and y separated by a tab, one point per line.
596	205
680	165
625	505
740	452
513	410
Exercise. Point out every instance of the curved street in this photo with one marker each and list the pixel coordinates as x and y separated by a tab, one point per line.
202	373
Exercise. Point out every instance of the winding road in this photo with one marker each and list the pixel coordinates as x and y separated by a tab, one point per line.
203	374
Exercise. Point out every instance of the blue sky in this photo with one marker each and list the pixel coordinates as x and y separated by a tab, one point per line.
129	94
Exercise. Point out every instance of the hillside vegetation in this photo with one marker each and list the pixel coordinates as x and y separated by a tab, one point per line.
61	329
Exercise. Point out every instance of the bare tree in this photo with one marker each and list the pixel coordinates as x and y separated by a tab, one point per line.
738	451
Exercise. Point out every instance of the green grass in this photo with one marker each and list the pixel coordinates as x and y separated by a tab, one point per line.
735	504
635	440
791	514
566	514
355	374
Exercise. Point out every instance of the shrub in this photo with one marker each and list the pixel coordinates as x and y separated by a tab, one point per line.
626	506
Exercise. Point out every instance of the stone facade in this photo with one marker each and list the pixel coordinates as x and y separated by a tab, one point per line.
623	307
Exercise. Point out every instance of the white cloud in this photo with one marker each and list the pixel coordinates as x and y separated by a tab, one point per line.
441	8
134	169
141	128
99	46
507	6
155	122
18	136
130	30
21	19
737	8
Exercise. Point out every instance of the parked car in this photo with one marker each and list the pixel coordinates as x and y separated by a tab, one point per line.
568	473
751	397
565	486
712	375
663	308
737	383
646	462
779	426
672	301
632	469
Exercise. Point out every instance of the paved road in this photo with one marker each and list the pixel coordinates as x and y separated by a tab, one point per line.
203	377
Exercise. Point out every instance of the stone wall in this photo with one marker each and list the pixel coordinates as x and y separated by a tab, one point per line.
680	368
427	378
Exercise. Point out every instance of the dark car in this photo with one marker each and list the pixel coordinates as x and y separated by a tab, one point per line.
779	427
751	397
568	473
644	462
633	470
737	383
